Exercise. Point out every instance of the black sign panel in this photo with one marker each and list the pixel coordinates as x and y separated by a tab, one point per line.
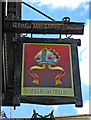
43	27
47	100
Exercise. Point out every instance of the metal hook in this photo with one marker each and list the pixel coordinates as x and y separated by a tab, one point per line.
66	19
68	36
23	34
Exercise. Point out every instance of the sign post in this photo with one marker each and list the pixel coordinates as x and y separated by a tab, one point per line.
0	55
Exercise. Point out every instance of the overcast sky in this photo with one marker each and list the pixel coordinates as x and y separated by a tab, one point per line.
78	11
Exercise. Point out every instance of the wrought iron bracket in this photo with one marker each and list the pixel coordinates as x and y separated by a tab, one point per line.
36	115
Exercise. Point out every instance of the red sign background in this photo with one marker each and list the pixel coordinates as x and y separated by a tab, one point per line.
47	76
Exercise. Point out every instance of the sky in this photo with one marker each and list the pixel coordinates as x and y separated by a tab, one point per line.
78	11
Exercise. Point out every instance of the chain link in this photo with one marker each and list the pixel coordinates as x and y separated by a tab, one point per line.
5	65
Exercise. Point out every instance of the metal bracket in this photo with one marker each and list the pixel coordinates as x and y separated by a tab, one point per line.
36	115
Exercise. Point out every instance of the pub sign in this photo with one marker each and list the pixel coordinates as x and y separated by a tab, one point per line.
47	70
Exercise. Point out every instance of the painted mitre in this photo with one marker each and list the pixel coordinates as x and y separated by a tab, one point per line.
47	56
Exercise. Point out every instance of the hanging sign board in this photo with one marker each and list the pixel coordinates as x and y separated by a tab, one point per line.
47	70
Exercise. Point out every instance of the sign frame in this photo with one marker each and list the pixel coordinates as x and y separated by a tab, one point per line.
49	100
